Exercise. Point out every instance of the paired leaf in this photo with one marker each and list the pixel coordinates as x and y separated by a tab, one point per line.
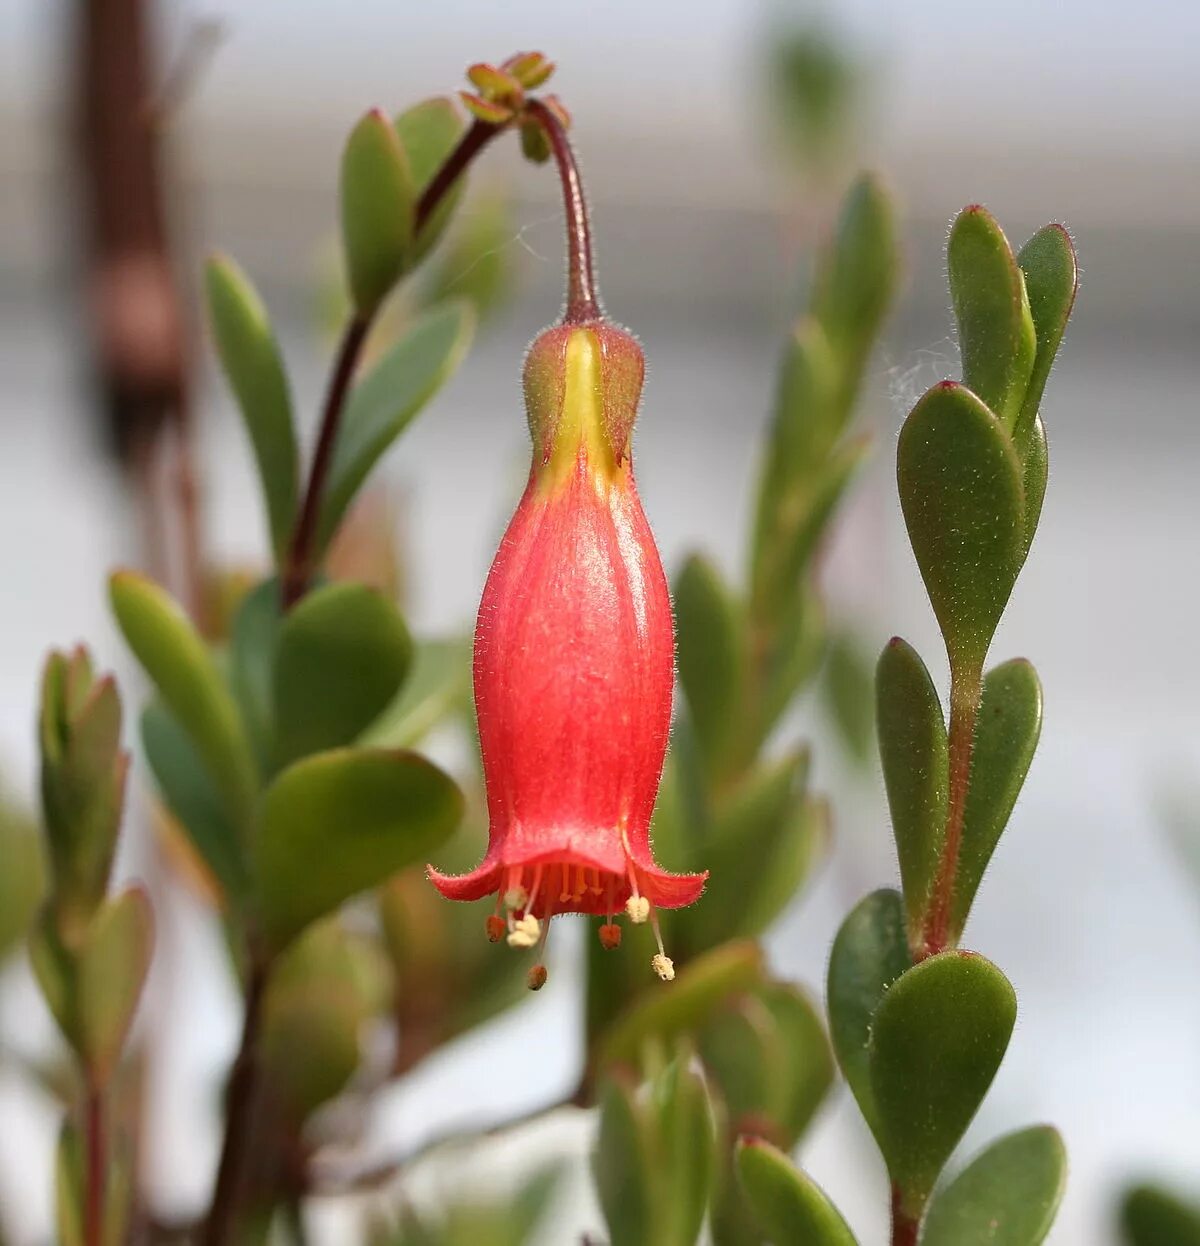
378	194
961	493
711	644
181	668
937	1039
698	989
429	132
250	356
1006	735
789	1206
916	770
112	971
383	403
193	800
338	823
869	954
1051	273
340	657
1007	1196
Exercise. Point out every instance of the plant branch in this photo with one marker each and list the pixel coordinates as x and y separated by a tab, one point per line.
583	302
966	691
241	1097
96	1166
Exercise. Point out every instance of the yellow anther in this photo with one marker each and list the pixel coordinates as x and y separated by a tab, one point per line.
638	908
664	966
526	932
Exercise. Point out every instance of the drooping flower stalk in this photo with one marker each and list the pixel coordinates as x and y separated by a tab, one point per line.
574	646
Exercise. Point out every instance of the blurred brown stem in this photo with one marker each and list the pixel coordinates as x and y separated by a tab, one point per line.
904	1227
220	1227
96	1167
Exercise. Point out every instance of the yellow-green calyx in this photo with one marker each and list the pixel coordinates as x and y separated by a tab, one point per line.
582	387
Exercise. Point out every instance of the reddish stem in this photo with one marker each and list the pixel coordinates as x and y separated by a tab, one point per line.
965	693
299	568
904	1226
583	302
96	1166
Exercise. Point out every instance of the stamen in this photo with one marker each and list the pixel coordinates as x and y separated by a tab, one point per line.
580	885
661	963
535	979
525	932
533	891
638	908
495	928
515	897
610	935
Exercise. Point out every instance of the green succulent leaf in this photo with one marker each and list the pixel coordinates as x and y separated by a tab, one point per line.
254	635
429	132
622	1166
340	658
869	954
1006	735
686	1161
477	262
1051	280
378	194
848	691
1152	1216
250	356
789	1206
916	771
191	797
437	688
699	988
961	493
112	971
1035	467
384	402
181	668
995	327
338	823
712	651
856	282
23	878
937	1039
1006	1196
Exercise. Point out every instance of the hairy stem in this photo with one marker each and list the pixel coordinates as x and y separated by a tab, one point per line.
96	1167
583	302
904	1226
220	1227
966	690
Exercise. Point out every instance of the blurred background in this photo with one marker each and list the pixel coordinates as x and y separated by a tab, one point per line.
707	202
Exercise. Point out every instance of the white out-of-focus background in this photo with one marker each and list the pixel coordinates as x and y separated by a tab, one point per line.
1086	111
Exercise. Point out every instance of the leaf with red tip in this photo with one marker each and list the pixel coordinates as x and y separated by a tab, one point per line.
486	110
788	1205
530	69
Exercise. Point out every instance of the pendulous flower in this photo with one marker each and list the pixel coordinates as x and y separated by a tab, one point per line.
574	663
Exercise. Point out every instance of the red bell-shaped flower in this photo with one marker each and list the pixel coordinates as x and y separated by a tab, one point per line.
574	661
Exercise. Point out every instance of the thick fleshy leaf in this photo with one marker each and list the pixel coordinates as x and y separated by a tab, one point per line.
622	1166
1152	1216
377	194
856	282
848	692
686	1135
253	638
937	1039
383	403
742	1050
790	1207
1051	281
809	1069
250	356
340	657
336	824
477	263
711	656
437	687
995	328
961	493
698	989
869	954
182	669
916	770
23	878
112	971
193	800
1006	1196
1006	735
1035	467
429	132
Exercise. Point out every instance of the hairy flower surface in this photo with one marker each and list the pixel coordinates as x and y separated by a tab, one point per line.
574	660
